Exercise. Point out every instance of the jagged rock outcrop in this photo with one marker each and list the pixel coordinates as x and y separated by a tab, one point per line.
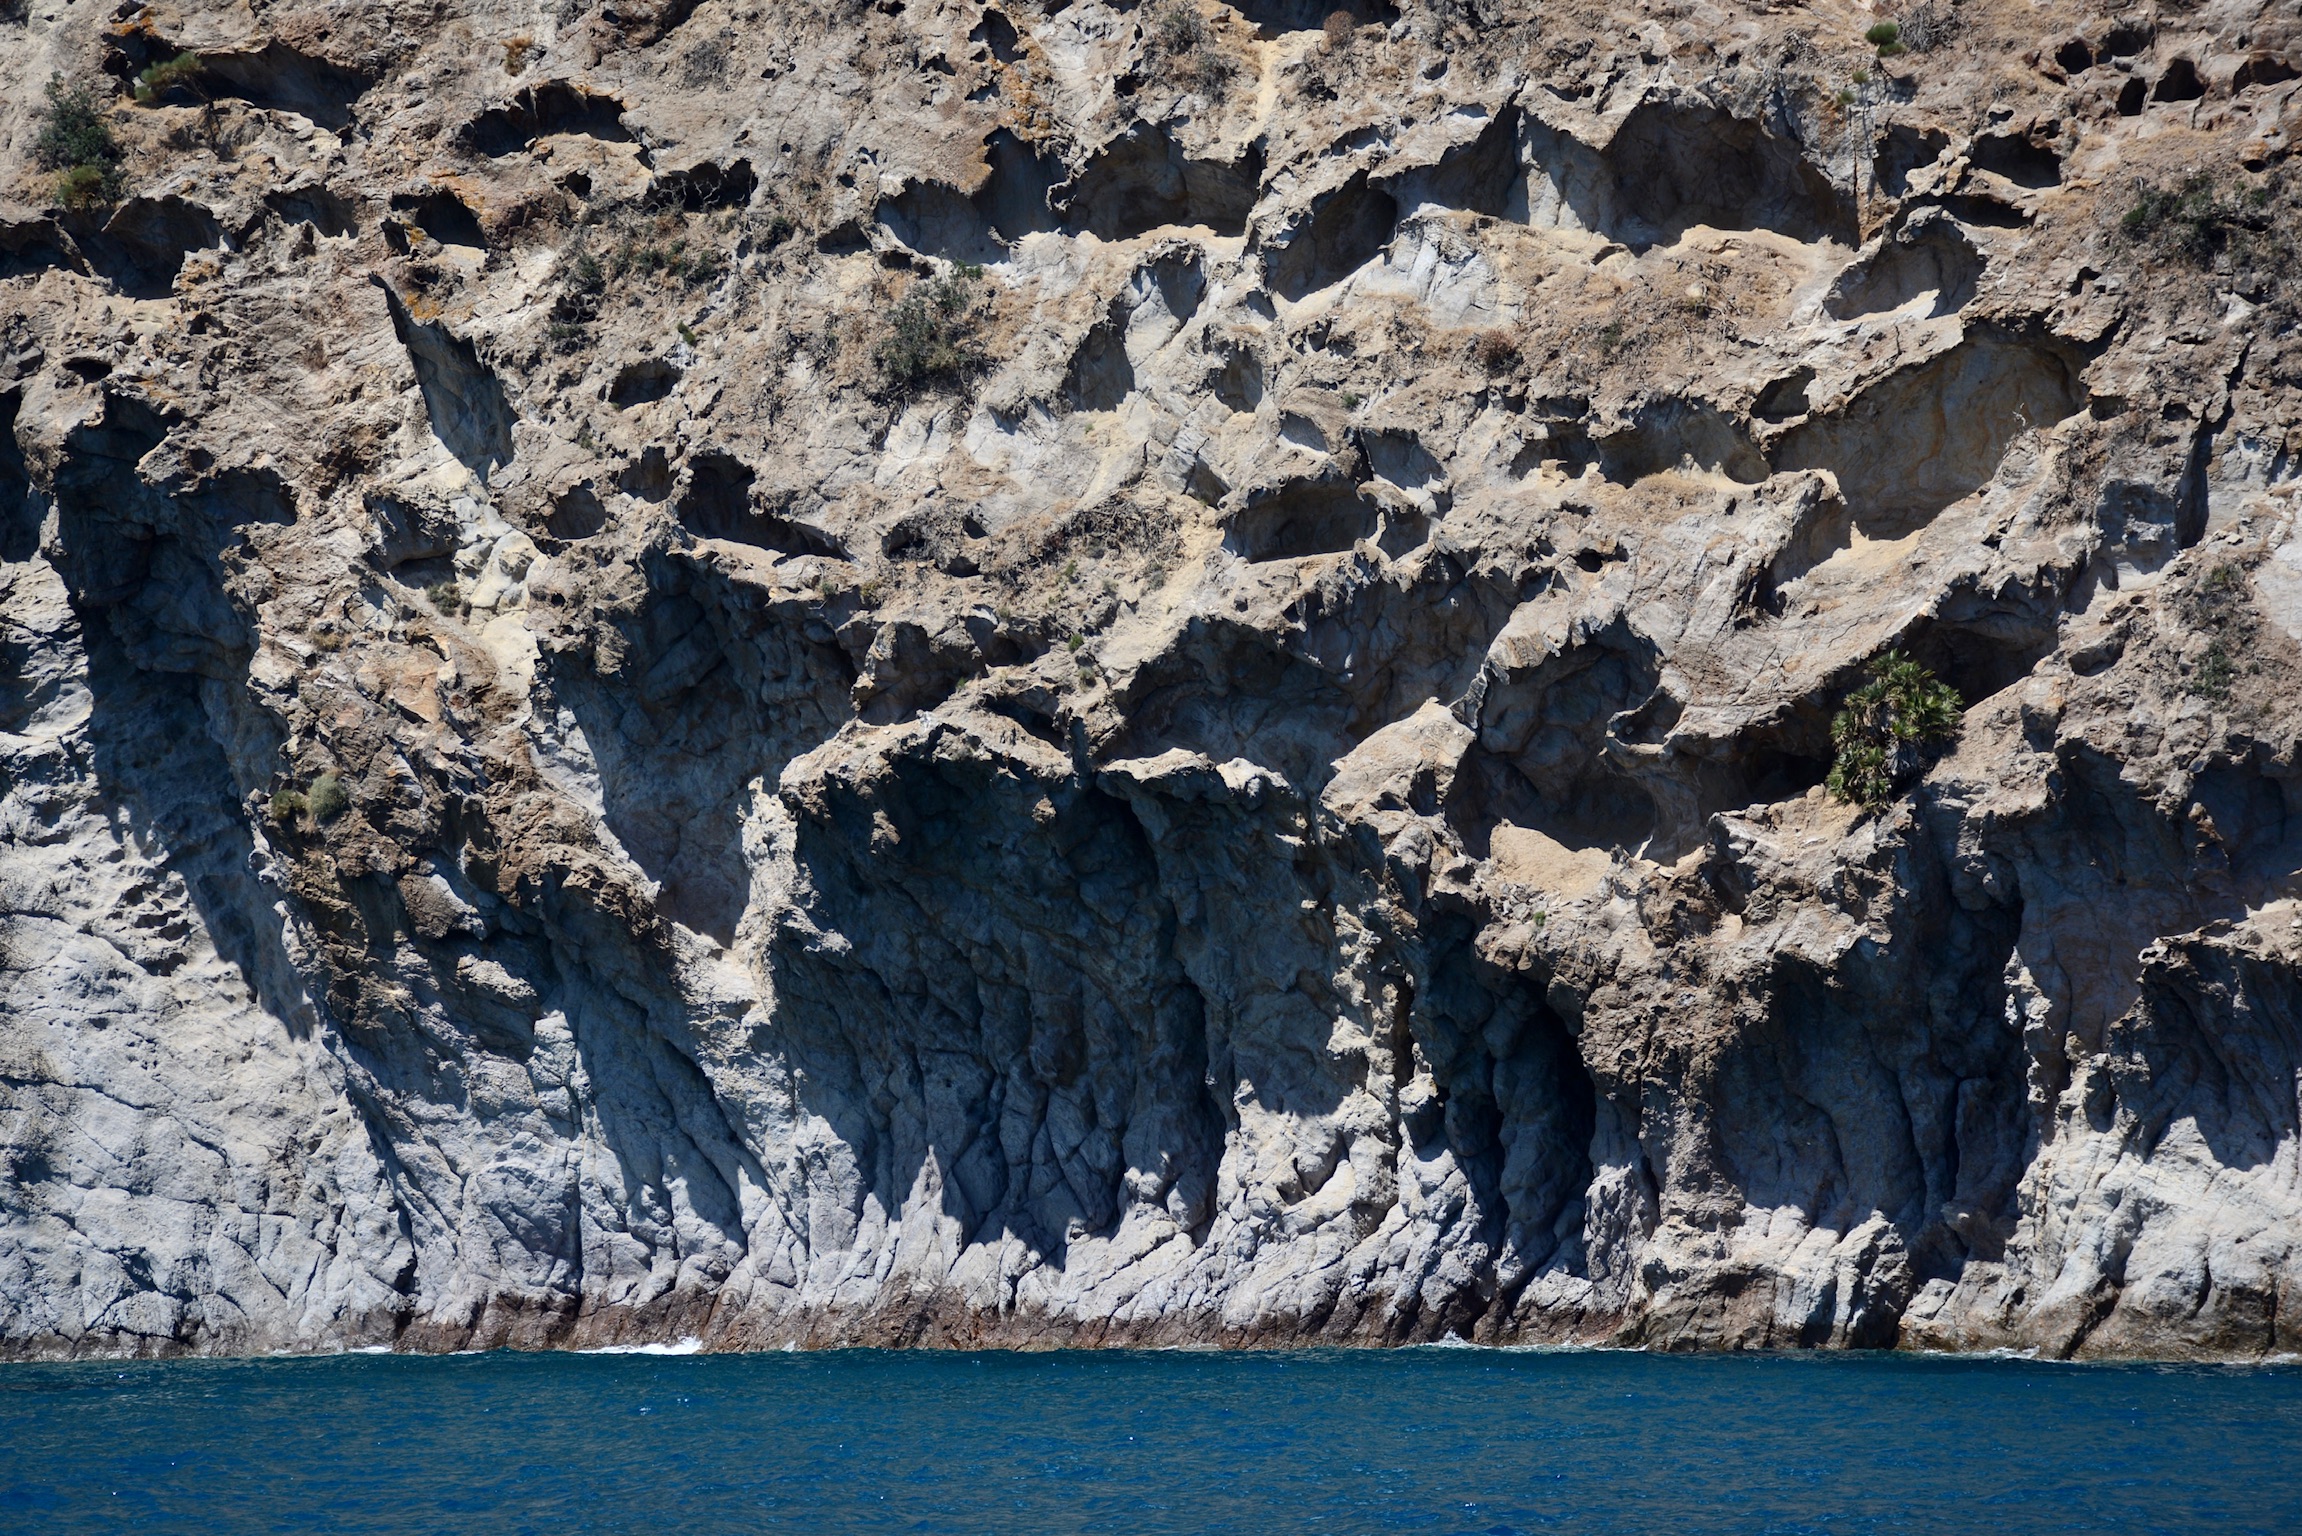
1078	673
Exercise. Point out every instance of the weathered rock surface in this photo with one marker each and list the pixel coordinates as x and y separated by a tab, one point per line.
1281	803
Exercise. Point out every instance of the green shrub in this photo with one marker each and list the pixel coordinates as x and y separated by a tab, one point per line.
87	186
288	804
1886	37
1885	728
2214	674
2195	219
931	334
75	140
327	797
447	596
181	73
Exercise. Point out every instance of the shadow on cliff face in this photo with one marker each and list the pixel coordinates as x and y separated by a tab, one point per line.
1359	655
167	654
462	396
1918	441
987	995
1551	747
1515	1106
1672	164
2162	873
709	685
1889	1087
20	509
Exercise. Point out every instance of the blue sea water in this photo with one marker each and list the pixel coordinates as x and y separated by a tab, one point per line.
1433	1440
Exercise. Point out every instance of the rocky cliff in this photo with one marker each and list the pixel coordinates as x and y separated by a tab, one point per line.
1039	672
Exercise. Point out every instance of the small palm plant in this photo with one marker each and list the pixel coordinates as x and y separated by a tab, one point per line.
1883	733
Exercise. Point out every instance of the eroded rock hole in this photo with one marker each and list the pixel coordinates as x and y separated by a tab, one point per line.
642	383
718	503
1236	379
1984	653
28	246
706	186
1675	163
937	219
1680	435
1302	518
2178	83
648	477
275	76
553	107
1543	759
1142	180
1347	228
577	514
1903	149
1513	1101
2263	69
1481	176
142	246
2018	158
1100	376
19	519
998	34
316	205
1919	440
1272	18
1785	398
1929	255
441	215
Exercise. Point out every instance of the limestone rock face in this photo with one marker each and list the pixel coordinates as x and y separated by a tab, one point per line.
1040	673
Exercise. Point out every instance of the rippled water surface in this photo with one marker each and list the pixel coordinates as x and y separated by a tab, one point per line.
1443	1440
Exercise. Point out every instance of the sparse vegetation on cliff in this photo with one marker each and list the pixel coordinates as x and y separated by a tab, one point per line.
168	77
75	141
931	334
2197	219
327	798
1185	50
1888	723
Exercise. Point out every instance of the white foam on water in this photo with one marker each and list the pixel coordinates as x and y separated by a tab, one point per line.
686	1346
